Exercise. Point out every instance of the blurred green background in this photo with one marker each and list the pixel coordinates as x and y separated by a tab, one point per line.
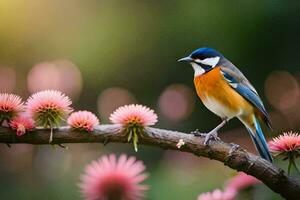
109	53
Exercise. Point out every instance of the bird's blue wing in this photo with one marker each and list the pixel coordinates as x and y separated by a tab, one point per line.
241	85
244	90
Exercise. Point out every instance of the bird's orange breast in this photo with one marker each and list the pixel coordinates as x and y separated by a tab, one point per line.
218	95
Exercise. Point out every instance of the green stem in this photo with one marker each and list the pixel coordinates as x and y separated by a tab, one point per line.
290	165
295	165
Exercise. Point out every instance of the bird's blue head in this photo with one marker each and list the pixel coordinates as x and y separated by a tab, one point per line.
203	60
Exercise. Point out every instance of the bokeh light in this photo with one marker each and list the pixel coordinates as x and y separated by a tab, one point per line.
176	102
46	164
24	154
7	79
279	121
112	98
282	90
60	75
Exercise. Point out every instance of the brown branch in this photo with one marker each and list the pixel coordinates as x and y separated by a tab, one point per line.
231	155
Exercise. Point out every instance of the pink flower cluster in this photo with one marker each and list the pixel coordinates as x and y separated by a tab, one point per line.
11	111
21	124
45	108
112	178
232	187
49	108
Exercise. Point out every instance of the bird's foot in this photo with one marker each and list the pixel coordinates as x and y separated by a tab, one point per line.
213	135
234	147
197	133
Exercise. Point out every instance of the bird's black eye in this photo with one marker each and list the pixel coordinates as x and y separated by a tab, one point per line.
199	56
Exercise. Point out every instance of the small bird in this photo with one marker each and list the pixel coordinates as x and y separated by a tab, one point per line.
226	92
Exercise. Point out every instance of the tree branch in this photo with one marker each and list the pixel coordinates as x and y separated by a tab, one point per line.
231	155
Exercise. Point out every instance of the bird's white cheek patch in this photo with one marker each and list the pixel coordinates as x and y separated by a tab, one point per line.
198	69
209	61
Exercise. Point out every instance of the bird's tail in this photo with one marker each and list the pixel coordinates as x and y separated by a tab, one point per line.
258	139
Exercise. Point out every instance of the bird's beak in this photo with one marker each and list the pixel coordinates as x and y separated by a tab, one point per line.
186	59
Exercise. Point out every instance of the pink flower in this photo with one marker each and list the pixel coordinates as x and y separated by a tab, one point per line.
288	146
288	142
133	114
109	178
233	186
133	118
22	124
48	101
10	106
218	195
241	181
48	108
83	120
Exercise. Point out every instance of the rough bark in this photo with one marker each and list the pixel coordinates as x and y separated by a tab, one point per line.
230	154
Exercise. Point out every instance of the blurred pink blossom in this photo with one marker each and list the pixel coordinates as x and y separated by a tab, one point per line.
112	98
283	96
241	181
10	105
232	187
21	124
7	79
83	120
176	102
112	178
62	75
218	194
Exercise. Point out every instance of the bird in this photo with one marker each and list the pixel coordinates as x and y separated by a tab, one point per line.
226	92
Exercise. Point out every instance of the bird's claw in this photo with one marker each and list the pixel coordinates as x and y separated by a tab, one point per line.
197	133
234	147
211	136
